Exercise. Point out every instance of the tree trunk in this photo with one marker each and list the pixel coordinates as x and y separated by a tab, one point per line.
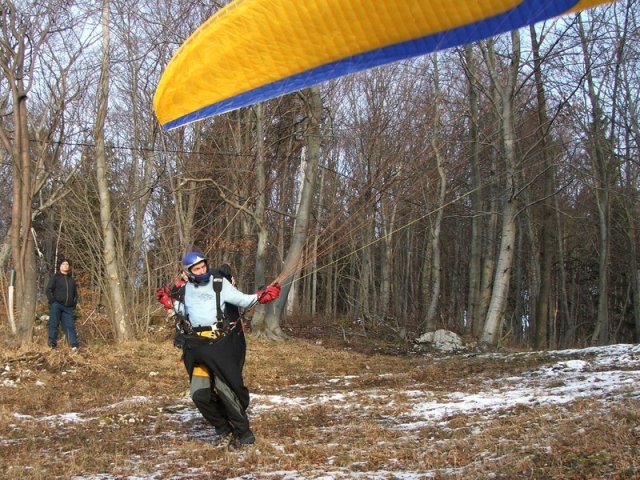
497	307
569	331
365	279
292	296
13	49
436	273
387	259
488	255
599	159
315	278
547	244
259	213
22	244
475	253
489	237
121	326
303	217
505	96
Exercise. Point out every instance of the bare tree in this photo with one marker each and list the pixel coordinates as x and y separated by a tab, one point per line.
115	285
436	268
505	87
630	172
543	306
601	160
473	295
313	104
18	56
30	123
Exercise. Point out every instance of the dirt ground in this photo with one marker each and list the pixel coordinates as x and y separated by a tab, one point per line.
323	406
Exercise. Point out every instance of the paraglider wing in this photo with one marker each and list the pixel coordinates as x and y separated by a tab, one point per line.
253	50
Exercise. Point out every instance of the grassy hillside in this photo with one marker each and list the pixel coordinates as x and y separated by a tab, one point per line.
323	409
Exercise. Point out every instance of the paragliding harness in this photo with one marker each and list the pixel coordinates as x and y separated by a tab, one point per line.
183	326
216	352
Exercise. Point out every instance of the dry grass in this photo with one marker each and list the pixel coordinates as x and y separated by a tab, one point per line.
122	411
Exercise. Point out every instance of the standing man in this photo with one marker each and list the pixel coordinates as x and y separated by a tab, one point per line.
62	294
214	344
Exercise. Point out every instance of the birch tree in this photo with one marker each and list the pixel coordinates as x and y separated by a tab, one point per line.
505	87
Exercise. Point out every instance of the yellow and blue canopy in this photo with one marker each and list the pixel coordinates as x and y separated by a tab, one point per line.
254	50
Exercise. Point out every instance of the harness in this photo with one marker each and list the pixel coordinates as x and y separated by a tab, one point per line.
217	288
216	352
184	327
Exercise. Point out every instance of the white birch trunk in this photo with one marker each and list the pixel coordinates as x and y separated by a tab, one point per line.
504	98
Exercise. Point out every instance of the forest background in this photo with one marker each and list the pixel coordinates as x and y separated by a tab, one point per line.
490	189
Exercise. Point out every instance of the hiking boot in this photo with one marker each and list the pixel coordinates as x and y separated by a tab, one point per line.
243	440
247	438
223	432
221	436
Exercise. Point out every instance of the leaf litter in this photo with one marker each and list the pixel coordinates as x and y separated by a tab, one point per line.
123	412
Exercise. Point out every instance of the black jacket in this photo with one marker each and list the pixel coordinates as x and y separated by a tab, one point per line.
62	289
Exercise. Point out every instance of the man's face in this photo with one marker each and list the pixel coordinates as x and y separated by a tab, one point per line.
64	267
199	268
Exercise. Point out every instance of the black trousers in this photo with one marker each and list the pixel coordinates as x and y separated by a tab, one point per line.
219	405
220	395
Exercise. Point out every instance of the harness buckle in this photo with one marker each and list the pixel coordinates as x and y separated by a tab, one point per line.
209	334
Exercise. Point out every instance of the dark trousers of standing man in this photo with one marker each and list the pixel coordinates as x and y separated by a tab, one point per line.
60	313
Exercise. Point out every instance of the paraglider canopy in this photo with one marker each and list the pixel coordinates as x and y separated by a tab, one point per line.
254	50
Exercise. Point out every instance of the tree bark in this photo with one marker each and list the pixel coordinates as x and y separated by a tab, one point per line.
388	222
547	243
436	265
294	254
259	213
505	97
118	312
475	253
600	166
22	244
17	43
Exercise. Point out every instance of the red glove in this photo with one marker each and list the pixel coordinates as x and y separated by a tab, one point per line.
165	295
269	294
162	294
176	288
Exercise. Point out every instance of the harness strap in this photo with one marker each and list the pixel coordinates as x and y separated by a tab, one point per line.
213	334
201	329
217	288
